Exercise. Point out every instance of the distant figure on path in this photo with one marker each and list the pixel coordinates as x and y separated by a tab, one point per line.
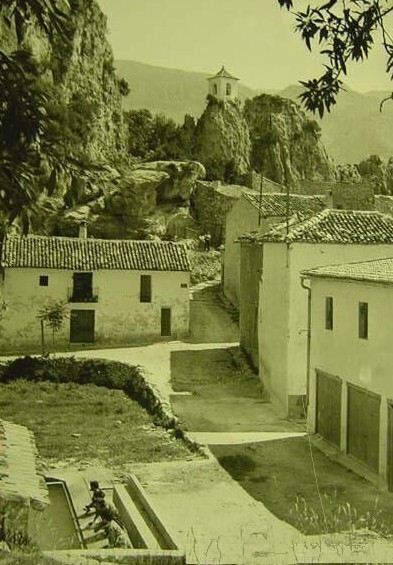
208	239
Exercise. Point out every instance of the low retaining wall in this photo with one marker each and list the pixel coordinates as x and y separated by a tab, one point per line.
119	556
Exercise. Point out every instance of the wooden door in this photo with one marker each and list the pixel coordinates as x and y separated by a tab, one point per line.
166	322
390	447
82	326
363	426
329	407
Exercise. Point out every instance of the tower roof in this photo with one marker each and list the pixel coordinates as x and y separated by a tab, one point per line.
223	73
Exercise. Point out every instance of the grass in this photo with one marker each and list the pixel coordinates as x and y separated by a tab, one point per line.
280	475
205	266
86	422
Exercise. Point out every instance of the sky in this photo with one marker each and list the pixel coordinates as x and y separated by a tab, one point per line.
255	39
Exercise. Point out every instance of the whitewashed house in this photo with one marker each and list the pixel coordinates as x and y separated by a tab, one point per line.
117	291
285	251
351	361
251	211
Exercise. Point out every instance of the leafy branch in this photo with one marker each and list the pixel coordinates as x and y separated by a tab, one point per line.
344	31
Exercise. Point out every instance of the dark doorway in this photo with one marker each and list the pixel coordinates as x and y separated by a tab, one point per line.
390	447
329	407
166	322
363	426
82	326
82	290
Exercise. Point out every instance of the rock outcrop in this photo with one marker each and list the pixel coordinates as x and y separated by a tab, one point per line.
222	140
286	146
135	202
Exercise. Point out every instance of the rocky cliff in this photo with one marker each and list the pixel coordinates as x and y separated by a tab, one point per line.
222	140
80	65
286	146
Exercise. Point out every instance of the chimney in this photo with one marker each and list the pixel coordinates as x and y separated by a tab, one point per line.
329	199
83	230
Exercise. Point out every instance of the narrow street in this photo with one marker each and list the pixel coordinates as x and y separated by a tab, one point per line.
217	395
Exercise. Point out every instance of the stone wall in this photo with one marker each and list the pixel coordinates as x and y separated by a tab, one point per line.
210	203
343	195
383	204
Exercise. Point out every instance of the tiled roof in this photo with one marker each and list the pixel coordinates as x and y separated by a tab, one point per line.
331	226
19	476
276	204
93	254
223	73
377	270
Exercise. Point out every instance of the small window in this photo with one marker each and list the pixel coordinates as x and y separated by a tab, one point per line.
228	89
215	89
145	290
183	285
363	320
44	280
328	313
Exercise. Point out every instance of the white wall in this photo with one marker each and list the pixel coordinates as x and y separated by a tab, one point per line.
367	363
273	320
242	218
120	317
279	270
221	88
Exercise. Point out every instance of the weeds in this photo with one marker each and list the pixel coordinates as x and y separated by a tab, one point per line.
337	517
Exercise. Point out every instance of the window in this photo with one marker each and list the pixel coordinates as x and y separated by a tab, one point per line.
145	290
183	285
44	280
363	320
215	89
83	287
328	313
228	89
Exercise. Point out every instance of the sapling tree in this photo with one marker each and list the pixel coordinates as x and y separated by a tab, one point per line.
52	314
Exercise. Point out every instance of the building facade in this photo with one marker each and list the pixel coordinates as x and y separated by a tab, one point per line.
327	238
223	85
251	211
117	292
350	378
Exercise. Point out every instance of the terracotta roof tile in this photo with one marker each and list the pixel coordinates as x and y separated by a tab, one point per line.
93	254
331	226
377	270
273	205
223	73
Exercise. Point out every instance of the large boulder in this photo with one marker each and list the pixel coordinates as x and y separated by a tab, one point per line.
181	180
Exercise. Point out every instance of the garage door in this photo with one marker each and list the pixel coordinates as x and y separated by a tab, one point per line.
363	426
329	407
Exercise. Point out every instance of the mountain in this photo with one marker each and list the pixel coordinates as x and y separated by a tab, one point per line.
169	91
354	129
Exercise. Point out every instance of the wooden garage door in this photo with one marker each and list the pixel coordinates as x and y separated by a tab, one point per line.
390	447
82	326
363	426
329	407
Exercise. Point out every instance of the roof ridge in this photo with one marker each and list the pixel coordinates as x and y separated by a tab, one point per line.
90	239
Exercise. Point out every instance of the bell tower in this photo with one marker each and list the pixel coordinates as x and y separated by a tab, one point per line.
223	85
